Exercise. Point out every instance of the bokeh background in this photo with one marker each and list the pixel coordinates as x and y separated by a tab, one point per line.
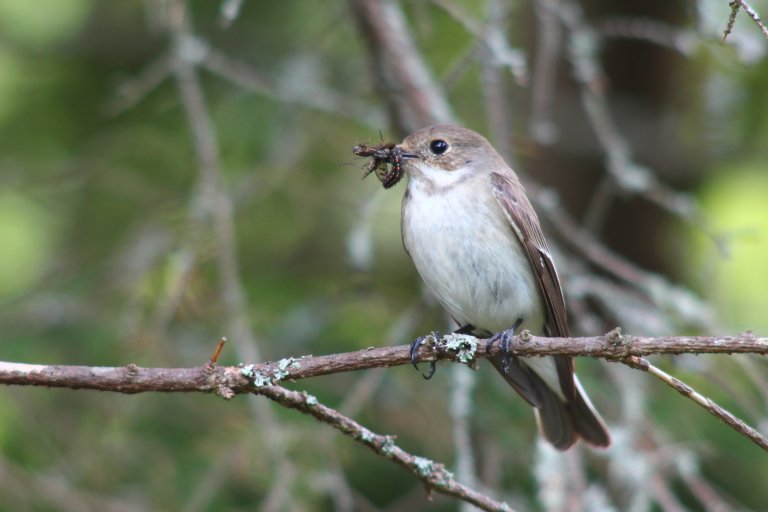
173	172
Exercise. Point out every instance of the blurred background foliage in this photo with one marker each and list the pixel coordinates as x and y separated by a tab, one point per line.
104	259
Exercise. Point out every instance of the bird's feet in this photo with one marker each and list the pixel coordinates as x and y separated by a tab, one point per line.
415	355
464	329
504	338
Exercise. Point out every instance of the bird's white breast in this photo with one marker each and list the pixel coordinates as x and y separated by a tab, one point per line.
468	254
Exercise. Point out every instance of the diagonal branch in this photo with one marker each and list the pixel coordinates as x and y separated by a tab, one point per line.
735	6
707	403
415	99
433	474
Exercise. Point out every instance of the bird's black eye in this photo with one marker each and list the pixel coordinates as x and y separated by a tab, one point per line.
438	146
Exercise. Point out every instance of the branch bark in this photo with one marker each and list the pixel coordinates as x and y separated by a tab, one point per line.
228	381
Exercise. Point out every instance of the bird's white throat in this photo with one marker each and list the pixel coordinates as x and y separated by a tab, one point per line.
425	175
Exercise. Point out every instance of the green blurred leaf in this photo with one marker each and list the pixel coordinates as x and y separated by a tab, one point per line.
42	22
26	239
735	199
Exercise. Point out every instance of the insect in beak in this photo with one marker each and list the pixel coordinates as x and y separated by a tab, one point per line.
381	155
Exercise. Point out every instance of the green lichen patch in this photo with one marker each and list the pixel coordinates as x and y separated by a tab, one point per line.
464	346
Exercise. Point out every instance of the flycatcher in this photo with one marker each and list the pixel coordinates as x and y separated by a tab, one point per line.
476	241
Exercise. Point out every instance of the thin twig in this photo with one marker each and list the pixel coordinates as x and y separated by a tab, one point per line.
753	14
217	352
316	97
650	30
133	91
462	383
491	36
212	207
629	175
735	5
667	296
549	35
493	85
433	474
707	403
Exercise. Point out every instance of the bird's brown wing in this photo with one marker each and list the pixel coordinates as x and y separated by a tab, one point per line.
522	217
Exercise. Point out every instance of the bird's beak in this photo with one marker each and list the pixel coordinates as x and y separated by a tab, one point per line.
404	153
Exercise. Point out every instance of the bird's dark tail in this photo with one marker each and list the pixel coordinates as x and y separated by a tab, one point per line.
561	422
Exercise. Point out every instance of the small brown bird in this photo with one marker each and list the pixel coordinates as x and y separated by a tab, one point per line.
476	241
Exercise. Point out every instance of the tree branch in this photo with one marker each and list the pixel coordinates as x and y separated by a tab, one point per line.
707	403
228	381
261	379
231	380
433	474
735	6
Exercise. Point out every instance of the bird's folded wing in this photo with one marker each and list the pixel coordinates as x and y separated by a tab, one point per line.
513	201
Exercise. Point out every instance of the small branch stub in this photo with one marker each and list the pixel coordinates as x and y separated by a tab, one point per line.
217	352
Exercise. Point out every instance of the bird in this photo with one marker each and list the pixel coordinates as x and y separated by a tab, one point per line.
476	241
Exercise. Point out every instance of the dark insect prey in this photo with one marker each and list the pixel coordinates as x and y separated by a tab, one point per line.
382	155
